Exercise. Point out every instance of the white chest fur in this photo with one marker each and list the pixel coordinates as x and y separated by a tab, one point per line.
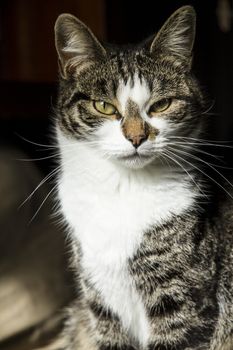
109	209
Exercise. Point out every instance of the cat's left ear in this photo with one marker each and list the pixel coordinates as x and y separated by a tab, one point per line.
177	35
76	45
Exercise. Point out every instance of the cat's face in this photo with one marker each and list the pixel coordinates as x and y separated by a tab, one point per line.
128	103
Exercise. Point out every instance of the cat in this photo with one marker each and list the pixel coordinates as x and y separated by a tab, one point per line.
153	265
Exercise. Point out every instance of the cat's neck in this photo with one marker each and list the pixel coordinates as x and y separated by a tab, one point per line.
117	205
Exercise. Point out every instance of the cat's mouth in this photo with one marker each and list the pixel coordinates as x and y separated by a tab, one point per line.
136	160
135	156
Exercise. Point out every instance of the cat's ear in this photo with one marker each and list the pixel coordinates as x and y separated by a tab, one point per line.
76	45
177	35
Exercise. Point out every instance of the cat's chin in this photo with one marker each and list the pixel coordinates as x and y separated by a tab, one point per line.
135	161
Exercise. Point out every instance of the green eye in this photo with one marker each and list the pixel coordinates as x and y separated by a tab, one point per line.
104	107
160	106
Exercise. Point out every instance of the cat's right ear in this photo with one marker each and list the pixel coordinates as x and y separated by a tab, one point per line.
76	45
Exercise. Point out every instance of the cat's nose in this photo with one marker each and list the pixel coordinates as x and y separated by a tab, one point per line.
137	140
135	130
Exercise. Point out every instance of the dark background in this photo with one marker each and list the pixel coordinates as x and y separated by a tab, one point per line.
28	85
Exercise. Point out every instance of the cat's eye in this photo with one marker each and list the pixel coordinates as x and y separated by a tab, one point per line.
104	107
160	106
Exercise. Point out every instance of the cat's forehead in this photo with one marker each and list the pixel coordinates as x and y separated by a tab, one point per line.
130	76
135	89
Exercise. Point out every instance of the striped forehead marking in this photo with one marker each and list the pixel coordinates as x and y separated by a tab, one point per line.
136	90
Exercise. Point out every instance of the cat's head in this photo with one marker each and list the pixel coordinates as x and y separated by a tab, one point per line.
128	103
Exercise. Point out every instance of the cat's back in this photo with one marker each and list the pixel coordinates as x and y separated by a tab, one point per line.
220	222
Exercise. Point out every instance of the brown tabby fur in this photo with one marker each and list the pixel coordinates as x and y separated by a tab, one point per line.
183	268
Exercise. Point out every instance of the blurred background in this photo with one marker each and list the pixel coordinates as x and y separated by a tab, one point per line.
35	282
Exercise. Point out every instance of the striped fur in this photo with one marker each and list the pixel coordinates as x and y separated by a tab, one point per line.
153	268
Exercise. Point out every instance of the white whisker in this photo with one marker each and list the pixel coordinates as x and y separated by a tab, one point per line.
186	171
202	172
196	149
36	143
37	159
206	163
199	140
54	187
46	178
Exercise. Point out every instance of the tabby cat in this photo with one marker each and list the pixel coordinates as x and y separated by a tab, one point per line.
153	264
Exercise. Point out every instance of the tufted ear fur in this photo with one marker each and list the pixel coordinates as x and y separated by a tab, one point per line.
176	37
76	45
